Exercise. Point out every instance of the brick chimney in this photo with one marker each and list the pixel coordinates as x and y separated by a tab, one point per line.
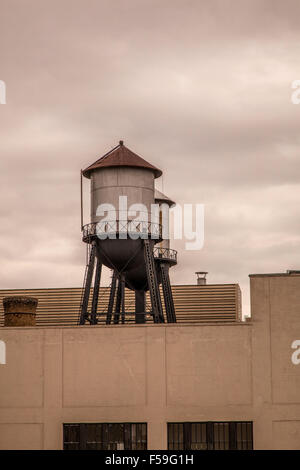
19	310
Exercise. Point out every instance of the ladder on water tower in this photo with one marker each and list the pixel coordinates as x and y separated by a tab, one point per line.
157	311
167	291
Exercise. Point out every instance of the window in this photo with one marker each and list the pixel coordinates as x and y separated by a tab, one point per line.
105	436
210	436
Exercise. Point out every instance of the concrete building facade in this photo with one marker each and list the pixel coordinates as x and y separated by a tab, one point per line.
159	374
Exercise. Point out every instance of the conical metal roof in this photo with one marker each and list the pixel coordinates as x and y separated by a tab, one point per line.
121	156
161	197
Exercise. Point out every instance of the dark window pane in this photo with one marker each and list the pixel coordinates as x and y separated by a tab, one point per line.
105	436
210	435
93	437
133	436
221	436
249	436
175	436
170	436
71	437
244	436
198	436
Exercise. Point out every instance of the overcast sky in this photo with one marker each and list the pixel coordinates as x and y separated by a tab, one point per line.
201	89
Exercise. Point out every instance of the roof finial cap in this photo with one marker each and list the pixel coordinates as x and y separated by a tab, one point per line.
121	142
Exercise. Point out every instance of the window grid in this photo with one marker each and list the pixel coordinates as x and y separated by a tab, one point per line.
223	435
105	436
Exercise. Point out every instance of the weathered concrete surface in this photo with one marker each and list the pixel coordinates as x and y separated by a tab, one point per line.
157	374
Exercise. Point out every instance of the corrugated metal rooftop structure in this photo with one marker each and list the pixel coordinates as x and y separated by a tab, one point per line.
121	156
210	303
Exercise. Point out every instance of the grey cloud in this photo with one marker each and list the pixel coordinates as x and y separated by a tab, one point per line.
200	89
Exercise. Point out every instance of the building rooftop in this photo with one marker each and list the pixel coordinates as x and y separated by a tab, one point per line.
289	272
193	304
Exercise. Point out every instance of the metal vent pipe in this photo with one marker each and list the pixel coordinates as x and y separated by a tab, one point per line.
201	277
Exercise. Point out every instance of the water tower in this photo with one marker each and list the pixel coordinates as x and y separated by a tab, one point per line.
126	234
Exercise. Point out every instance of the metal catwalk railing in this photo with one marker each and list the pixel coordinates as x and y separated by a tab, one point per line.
121	229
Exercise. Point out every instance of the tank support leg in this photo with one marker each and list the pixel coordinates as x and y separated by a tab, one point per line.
122	282
140	306
167	291
87	286
112	295
97	279
118	303
152	283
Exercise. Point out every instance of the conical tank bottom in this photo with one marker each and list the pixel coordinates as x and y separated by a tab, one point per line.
125	256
